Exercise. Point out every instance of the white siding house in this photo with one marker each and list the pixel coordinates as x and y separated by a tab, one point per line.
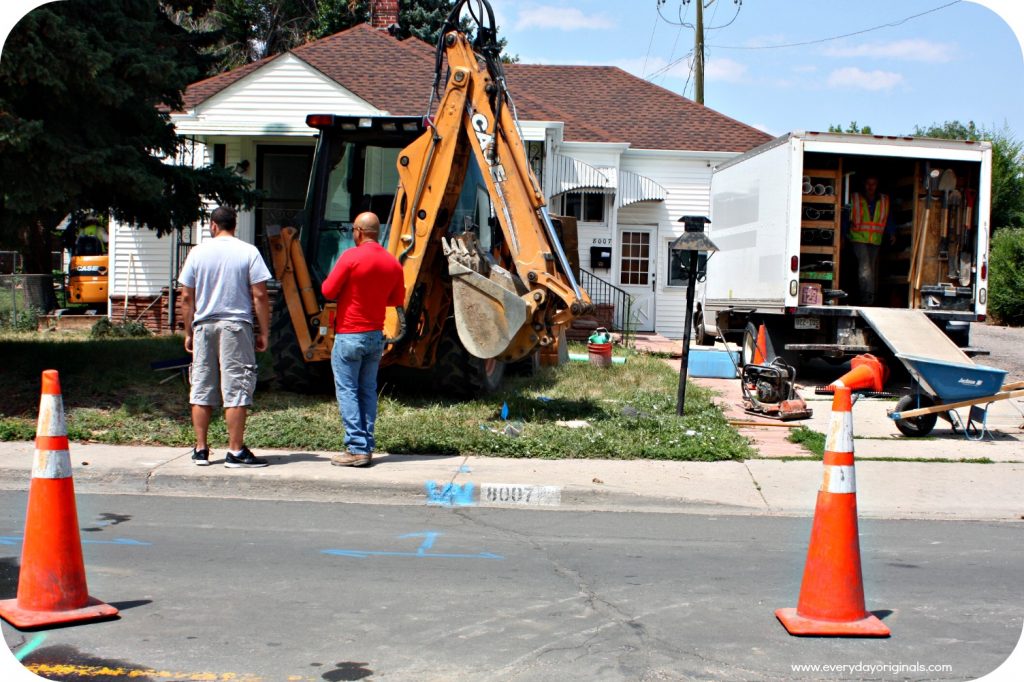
628	176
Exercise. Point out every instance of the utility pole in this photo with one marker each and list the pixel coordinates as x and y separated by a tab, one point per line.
698	54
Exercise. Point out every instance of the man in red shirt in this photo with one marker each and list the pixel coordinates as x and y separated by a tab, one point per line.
365	281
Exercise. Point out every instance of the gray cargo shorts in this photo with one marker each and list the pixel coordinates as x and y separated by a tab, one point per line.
223	364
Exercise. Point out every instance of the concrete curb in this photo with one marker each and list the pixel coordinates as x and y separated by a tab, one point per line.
907	490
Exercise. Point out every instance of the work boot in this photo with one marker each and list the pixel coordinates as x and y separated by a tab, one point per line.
348	459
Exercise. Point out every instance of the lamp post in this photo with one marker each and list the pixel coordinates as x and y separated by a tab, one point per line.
692	241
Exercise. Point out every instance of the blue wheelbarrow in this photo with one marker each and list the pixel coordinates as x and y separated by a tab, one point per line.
943	387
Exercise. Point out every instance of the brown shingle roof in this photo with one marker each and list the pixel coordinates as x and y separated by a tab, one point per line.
596	103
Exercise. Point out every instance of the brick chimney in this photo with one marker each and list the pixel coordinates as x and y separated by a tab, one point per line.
383	13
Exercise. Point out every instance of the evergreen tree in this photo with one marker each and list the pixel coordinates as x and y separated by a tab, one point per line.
85	90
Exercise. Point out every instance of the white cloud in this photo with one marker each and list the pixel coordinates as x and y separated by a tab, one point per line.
852	77
719	69
561	18
764	129
723	69
911	49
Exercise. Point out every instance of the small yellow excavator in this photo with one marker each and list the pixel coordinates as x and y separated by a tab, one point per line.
487	280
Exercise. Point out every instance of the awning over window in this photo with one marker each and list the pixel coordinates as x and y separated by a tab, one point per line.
572	175
634	188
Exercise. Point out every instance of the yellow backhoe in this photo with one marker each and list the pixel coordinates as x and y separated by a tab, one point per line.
487	280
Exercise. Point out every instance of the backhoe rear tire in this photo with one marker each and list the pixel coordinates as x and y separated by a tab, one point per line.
459	374
292	372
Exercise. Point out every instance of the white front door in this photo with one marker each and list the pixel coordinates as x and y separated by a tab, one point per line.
637	275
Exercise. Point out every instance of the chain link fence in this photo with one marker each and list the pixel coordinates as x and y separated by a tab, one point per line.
23	298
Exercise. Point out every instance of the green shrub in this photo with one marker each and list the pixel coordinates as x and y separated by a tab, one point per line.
105	329
1006	276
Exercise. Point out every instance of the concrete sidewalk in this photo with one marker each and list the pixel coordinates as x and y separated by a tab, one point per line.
757	487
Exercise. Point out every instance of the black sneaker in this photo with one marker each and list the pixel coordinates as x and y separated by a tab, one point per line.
201	458
245	459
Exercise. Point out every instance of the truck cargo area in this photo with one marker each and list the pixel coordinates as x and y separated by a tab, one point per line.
780	215
940	230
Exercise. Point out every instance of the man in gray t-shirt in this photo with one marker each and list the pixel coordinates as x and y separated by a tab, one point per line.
222	281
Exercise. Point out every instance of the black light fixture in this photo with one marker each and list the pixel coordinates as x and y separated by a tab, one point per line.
693	241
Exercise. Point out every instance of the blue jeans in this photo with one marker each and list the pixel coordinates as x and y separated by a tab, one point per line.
355	359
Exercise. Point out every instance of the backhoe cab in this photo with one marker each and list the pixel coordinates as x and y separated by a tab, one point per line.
487	281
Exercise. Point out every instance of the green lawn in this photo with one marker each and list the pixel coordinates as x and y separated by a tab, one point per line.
111	395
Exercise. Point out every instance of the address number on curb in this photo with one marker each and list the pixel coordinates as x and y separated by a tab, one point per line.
521	495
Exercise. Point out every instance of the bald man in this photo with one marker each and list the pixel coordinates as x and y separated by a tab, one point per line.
365	281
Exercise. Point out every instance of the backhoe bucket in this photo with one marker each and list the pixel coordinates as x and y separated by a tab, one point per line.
489	311
487	315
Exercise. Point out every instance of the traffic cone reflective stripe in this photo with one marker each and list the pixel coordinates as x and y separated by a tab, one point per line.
51	583
832	591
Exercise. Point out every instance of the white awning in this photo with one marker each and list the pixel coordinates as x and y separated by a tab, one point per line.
634	188
572	175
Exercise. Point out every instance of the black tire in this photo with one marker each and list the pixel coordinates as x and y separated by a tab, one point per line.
291	370
700	331
915	427
461	375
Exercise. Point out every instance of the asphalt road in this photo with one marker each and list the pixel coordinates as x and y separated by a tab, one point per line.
329	591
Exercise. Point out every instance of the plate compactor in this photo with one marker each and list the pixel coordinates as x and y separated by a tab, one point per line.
770	391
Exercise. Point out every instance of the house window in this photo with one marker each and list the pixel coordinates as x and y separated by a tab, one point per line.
635	261
535	155
678	266
586	208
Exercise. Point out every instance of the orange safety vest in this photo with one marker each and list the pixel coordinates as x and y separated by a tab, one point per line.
866	228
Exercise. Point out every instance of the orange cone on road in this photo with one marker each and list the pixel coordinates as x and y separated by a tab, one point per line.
761	347
51	584
831	599
866	372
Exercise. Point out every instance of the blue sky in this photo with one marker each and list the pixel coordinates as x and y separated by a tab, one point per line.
961	62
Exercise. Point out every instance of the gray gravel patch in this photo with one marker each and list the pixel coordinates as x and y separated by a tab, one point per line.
1005	345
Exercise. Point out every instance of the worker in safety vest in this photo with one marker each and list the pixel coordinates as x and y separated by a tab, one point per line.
870	223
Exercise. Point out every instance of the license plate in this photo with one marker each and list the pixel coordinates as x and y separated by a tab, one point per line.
806	323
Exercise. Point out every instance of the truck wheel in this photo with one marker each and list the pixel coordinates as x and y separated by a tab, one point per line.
915	427
459	374
293	373
700	332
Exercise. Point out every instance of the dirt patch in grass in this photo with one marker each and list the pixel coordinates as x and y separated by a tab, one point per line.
628	411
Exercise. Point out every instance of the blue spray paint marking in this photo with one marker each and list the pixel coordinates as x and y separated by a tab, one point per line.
32	645
421	552
450	494
16	540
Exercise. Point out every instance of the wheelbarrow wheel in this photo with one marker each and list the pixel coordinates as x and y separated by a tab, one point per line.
916	427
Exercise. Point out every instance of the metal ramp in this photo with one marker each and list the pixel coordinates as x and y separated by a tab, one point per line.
911	332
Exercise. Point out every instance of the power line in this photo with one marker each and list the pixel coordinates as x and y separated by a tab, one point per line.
845	35
649	43
679	32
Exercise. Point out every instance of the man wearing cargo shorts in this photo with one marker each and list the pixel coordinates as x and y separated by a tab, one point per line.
222	281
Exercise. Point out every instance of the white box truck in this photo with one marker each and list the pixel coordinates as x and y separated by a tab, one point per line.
779	215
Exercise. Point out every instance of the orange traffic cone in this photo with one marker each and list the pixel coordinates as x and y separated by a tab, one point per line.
761	347
832	593
51	584
866	371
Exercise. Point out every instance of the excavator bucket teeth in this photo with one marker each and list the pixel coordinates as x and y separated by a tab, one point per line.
487	315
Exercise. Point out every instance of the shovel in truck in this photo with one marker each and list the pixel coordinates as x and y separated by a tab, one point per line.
488	310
